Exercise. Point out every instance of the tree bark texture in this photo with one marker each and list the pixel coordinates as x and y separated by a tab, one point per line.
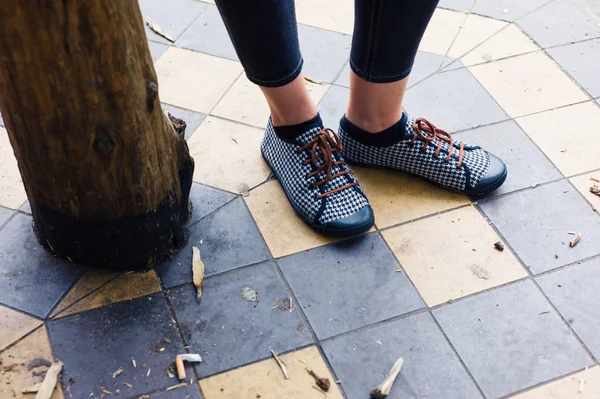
107	176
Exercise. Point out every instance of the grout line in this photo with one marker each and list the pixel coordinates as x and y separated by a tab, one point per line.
43	325
15	212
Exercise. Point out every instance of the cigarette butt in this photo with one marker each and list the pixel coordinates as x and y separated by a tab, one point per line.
180	368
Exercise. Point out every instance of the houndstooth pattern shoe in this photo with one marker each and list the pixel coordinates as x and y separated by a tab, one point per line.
432	154
318	183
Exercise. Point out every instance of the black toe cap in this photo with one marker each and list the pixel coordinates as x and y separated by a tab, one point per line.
352	225
494	177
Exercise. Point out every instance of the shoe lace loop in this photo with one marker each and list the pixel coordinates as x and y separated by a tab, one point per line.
322	148
427	132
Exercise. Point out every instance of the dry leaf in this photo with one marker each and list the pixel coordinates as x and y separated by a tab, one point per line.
197	271
156	28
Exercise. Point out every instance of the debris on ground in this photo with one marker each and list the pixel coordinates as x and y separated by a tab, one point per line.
284	304
38	362
281	364
595	190
50	380
250	295
582	380
185	357
575	240
197	271
133	362
119	371
563	150
321	382
243	189
32	389
167	340
555	256
594	179
383	390
158	30
480	272
172	387
499	246
311	80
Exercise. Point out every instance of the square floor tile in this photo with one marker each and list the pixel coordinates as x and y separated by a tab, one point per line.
508	10
441	31
527	83
208	35
92	280
173	16
245	103
568	387
344	78
583	183
228	155
397	197
193	80
430	370
324	52
511	339
264	379
230	331
5	213
457	5
12	192
362	287
32	279
157	49
192	119
565	135
26	207
335	15
581	61
537	222
453	101
334	105
462	263
561	22
283	230
508	42
526	163
227	239
426	64
473	32
190	391
574	293
14	325
111	338
206	200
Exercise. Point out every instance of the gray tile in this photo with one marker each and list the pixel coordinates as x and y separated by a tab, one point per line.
430	370
581	61
205	200
561	22
191	391
333	106
227	239
31	279
344	78
228	330
425	65
536	223
526	163
157	49
574	292
457	5
26	207
511	339
453	101
507	10
324	52
172	16
208	35
5	213
192	119
349	285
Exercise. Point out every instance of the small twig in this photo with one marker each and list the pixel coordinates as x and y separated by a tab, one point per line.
322	383
157	29
49	382
281	365
197	271
172	387
116	373
582	380
382	390
575	240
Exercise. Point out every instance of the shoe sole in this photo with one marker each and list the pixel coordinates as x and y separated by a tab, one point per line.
321	229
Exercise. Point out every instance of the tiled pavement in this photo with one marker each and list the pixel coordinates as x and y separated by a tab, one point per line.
517	76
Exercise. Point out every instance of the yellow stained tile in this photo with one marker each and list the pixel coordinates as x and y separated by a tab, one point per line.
282	229
567	136
510	41
397	197
244	102
228	154
568	387
527	83
122	288
336	15
194	80
583	184
14	361
14	325
441	31
265	380
475	31
90	281
452	255
12	192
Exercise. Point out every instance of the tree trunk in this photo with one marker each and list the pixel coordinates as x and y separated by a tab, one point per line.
107	176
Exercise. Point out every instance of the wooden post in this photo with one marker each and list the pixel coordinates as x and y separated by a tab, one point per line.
107	175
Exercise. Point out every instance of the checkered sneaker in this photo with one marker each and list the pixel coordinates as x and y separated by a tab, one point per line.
424	151
301	166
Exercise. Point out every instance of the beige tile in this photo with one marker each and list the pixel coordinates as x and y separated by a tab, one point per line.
336	15
510	41
12	192
14	325
583	184
14	361
194	80
575	129
475	31
527	83
568	387
282	229
397	197
244	102
125	287
440	252
90	281
228	154
265	380
441	31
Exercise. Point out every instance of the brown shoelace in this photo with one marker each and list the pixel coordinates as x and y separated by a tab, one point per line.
428	132
322	148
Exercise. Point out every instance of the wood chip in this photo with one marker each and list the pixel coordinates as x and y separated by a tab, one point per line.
499	246
119	371
128	385
158	30
280	364
172	387
321	382
133	362
564	150
32	389
575	240
106	391
311	80
167	340
197	271
594	179
49	383
383	390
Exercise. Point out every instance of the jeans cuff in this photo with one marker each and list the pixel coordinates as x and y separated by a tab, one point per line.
379	79
278	82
